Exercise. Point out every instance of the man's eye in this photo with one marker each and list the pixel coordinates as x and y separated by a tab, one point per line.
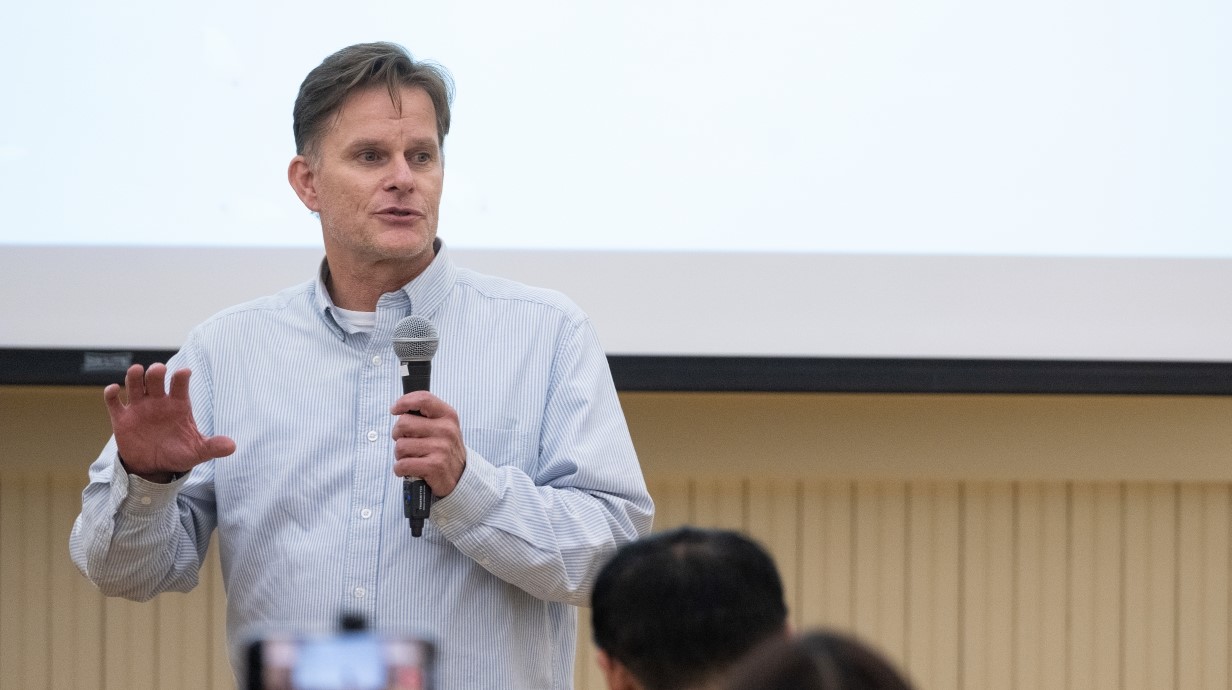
369	157
423	157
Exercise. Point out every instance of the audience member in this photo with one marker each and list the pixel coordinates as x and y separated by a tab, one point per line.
677	609
820	660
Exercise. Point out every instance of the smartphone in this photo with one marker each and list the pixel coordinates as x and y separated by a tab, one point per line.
349	660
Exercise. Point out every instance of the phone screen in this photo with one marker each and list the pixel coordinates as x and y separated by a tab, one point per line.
346	661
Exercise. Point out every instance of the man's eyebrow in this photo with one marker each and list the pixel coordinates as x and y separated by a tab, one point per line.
372	143
364	144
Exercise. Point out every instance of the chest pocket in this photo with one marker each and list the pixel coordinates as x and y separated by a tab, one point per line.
502	447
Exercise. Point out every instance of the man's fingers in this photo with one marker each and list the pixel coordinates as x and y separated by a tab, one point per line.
179	384
156	381
424	404
111	398
134	382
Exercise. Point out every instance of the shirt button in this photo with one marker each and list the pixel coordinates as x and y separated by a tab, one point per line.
145	500
365	513
371	435
376	359
360	592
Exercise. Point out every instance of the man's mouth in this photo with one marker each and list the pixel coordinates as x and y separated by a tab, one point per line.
398	212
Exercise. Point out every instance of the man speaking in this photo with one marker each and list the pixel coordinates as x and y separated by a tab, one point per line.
282	422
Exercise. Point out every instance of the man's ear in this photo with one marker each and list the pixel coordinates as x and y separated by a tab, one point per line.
615	673
303	181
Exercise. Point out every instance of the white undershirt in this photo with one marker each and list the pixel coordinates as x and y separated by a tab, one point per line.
355	321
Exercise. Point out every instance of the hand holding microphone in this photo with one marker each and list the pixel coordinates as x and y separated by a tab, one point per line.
428	449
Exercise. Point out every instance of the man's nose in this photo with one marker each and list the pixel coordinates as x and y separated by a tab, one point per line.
401	176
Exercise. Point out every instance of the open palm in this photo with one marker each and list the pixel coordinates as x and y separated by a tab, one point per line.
155	431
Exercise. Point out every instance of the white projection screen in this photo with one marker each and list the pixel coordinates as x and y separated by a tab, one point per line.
914	180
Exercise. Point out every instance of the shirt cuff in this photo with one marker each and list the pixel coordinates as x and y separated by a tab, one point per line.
142	497
477	491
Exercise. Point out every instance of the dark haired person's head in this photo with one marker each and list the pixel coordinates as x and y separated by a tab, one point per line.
820	660
360	67
678	608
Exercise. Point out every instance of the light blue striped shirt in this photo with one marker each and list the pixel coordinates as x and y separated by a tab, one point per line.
309	513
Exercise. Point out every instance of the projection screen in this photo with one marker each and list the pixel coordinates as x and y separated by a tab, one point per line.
1009	181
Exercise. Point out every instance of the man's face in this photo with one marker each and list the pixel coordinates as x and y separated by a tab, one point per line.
376	179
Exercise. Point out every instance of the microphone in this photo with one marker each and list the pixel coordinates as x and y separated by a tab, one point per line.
415	341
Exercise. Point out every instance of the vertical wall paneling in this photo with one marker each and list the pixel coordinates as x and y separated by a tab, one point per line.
1040	567
586	672
988	581
183	643
36	575
933	585
12	606
130	639
76	614
1150	585
827	568
672	502
881	564
719	503
221	674
1096	586
774	521
989	584
1202	587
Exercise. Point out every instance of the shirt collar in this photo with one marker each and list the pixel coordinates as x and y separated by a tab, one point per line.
423	296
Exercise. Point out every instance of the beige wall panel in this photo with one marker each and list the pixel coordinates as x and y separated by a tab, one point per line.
933	584
988	585
1040	586
1149	627
827	527
11	657
881	565
922	436
16	672
130	641
36	564
26	580
774	521
719	503
76	614
1203	581
222	676
34	424
586	673
1096	586
183	641
673	502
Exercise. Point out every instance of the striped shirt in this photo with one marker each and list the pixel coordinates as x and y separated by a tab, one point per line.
308	511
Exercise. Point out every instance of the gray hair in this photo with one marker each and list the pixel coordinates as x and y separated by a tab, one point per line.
360	66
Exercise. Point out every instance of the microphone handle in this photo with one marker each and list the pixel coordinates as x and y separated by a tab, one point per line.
416	494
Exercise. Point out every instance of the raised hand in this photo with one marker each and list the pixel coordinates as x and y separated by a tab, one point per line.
155	431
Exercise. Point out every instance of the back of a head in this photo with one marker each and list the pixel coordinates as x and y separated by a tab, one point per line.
677	608
816	661
362	66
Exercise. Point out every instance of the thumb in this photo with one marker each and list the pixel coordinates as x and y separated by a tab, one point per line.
217	447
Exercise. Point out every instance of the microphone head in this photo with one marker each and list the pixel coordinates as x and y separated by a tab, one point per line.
415	339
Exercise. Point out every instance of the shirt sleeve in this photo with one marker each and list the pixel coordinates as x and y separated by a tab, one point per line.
135	538
550	530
